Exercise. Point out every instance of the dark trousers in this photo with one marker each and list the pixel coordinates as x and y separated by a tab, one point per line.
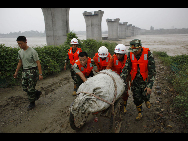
139	95
79	81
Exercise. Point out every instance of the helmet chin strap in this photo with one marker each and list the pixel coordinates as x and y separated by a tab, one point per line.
103	58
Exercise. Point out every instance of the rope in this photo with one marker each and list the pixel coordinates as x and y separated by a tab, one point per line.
115	93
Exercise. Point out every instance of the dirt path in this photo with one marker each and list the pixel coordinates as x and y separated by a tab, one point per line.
160	118
51	113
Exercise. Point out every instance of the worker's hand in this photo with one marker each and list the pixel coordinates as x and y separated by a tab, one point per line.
148	90
40	77
65	67
15	75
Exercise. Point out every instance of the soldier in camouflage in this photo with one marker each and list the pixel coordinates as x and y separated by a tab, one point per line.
28	58
140	71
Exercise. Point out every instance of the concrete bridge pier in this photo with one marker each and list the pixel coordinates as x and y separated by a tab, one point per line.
113	25
133	31
129	30
138	31
93	24
122	30
56	25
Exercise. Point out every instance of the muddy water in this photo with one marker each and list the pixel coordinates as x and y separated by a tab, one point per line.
173	44
31	41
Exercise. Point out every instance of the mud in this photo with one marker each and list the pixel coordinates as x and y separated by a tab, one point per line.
51	114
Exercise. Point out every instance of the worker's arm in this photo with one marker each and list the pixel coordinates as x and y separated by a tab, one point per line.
18	68
151	73
151	70
82	76
95	64
77	71
110	63
125	74
40	70
66	60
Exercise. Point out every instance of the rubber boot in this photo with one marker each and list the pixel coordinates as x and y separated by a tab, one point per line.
31	106
125	105
74	92
139	109
148	105
38	93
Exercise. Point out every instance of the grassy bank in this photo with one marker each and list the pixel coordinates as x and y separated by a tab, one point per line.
52	58
179	79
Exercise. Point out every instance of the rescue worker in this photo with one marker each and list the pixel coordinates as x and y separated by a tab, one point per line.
72	55
117	62
140	66
83	69
101	59
28	58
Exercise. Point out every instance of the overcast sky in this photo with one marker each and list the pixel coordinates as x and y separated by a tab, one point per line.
26	19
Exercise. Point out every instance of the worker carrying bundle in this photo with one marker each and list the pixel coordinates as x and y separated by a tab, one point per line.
98	92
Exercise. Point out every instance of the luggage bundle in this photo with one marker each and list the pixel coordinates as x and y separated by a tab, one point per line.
98	92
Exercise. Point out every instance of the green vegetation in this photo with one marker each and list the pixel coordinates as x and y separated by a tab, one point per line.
179	66
51	58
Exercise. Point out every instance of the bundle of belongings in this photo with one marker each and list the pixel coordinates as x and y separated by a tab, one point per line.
98	92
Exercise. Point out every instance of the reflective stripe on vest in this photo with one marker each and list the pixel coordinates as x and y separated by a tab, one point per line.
86	71
106	59
142	63
73	56
116	62
118	66
145	56
132	56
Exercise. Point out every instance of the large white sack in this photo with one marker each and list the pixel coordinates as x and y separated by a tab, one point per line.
101	85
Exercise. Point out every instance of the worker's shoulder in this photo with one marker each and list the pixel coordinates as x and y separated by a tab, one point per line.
75	65
19	51
96	56
150	55
112	57
32	50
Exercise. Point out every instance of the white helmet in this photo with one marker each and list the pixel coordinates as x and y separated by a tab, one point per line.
74	41
103	51
120	48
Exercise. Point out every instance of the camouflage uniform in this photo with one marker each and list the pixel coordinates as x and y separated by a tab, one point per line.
73	75
29	73
138	85
29	81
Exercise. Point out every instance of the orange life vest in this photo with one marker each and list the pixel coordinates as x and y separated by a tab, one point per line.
74	57
142	62
85	71
118	66
102	63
